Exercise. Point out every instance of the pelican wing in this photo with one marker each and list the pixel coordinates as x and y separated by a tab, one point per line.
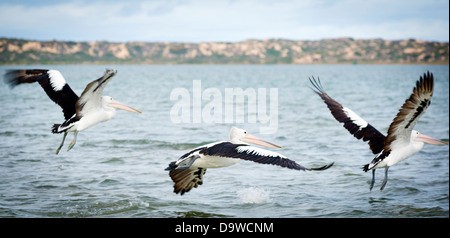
186	179
413	108
91	98
357	126
53	84
255	154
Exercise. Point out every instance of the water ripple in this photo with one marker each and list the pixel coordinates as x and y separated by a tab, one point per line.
117	168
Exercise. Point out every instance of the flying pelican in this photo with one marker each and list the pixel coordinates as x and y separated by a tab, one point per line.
401	141
187	172
81	112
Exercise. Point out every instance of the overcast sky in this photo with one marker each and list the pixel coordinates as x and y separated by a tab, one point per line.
223	20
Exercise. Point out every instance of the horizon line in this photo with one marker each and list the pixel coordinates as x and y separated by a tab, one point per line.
248	39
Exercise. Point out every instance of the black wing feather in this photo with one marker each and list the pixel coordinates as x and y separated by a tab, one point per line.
228	149
186	179
368	133
64	97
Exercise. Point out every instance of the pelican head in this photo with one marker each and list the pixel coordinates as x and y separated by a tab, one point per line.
418	137
110	102
239	136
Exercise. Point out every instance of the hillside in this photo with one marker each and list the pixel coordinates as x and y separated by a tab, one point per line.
271	51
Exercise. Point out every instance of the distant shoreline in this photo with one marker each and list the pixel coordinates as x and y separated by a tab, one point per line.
341	51
200	64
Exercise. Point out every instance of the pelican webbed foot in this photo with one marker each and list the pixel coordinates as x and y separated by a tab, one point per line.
62	143
74	141
187	164
373	179
385	178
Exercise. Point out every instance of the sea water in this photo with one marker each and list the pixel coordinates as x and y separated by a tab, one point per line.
116	168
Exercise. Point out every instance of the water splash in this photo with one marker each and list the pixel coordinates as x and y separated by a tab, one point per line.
254	195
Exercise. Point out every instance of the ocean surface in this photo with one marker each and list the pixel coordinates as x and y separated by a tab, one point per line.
116	169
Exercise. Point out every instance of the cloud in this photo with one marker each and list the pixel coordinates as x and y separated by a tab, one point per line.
223	20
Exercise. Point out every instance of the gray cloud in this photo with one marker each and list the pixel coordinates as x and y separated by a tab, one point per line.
225	20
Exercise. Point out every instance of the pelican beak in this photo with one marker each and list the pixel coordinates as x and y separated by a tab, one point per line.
122	106
430	140
257	141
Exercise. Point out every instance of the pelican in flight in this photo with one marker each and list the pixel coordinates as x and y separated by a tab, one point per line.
81	112
401	140
187	172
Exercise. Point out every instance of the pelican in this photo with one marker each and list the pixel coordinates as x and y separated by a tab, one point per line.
187	172
81	112
401	141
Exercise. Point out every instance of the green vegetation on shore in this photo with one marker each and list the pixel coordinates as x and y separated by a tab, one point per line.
271	51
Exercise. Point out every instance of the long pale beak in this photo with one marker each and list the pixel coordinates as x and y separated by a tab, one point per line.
257	141
122	106
430	140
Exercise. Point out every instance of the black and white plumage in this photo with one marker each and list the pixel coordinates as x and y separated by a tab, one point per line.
187	172
81	112
401	140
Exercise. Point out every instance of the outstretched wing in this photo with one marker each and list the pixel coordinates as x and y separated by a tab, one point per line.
91	98
53	84
186	179
357	126
255	154
413	108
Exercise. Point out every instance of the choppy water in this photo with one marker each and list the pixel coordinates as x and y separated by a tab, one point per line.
116	168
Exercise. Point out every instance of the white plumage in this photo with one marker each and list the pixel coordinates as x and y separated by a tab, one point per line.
56	80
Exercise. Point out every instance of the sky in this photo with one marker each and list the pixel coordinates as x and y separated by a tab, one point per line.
223	20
